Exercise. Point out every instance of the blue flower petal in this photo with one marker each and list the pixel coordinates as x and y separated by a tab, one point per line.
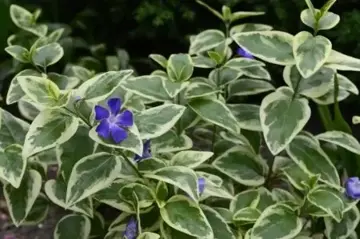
125	118
352	186
101	113
201	183
146	152
114	105
118	134
103	129
131	230
244	53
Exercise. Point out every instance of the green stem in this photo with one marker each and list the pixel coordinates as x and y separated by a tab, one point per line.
325	117
78	116
178	124
131	164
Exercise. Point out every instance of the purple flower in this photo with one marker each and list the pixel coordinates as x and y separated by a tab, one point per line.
244	53
113	123
201	183
352	186
131	230
146	152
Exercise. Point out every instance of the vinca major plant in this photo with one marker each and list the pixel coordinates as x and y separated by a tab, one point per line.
170	152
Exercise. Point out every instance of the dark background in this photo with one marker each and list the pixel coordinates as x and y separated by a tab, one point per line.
163	26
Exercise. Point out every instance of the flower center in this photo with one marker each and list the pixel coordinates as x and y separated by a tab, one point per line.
112	119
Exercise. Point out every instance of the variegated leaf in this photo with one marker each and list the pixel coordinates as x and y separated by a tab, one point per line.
342	62
91	174
149	87
304	152
190	158
283	215
249	27
179	176
171	142
277	108
102	85
247	198
47	55
271	46
20	200
156	121
327	21
247	116
24	19
12	165
244	87
242	165
19	53
257	72
161	60
341	139
56	192
143	193
215	112
205	41
50	127
13	130
344	228
241	62
43	91
39	211
315	86
310	52
199	89
174	88
73	226
179	67
192	220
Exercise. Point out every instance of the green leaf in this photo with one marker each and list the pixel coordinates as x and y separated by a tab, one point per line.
161	60
246	199
323	198
23	19
245	87
266	199
203	62
271	46
15	92
148	235
150	165
132	143
179	176
149	87
13	129
224	75
171	142
50	127
247	116
184	215
28	109
190	158
242	165
346	84
315	86
342	139
249	27
215	112
310	52
277	108
342	62
328	21
56	192
68	155
91	174
156	121
179	67
344	228
47	55
206	40
168	232
144	194
220	228
43	91
38	211
268	224
199	90
12	165
102	85
20	200
304	152
73	226
19	53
